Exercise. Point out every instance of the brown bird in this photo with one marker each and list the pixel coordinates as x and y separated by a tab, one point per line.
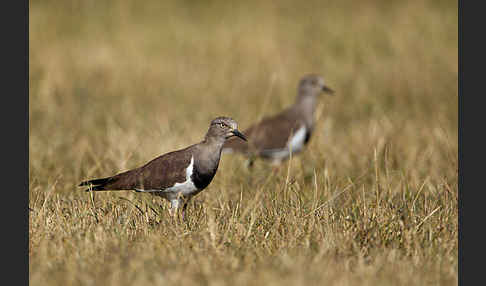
277	136
179	175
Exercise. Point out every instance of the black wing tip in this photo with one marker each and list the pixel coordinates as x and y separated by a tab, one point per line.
101	181
95	188
95	184
87	183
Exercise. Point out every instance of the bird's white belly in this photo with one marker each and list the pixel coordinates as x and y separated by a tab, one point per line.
186	188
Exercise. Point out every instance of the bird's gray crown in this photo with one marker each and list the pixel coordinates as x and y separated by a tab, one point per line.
224	121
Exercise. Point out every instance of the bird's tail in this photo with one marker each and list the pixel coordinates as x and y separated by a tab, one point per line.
96	184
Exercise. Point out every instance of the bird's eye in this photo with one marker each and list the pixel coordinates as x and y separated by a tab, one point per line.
222	125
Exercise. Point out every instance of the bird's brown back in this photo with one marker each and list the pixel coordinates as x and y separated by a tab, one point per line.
158	174
270	133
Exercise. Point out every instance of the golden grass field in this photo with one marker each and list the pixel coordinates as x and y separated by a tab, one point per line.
373	200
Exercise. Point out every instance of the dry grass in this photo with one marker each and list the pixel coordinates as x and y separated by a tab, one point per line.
372	201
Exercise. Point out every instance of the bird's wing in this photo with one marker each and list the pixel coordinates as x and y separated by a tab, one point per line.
270	133
158	174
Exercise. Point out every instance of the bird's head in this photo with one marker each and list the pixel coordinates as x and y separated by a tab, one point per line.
313	85
224	128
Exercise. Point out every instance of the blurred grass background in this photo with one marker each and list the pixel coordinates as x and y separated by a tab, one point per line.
114	84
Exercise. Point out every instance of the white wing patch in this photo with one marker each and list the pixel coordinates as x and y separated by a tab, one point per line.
186	188
295	144
188	184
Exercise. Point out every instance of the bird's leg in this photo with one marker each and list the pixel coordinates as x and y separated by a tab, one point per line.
176	211
276	164
249	162
184	209
174	206
250	159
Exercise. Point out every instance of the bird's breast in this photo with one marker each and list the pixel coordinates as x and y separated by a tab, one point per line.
202	178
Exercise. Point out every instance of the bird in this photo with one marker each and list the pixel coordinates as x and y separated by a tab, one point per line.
179	175
276	137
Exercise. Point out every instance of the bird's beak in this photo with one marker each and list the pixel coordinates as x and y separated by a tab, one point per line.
327	90
239	134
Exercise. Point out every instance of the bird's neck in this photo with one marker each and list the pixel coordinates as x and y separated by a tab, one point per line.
305	107
213	143
211	149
